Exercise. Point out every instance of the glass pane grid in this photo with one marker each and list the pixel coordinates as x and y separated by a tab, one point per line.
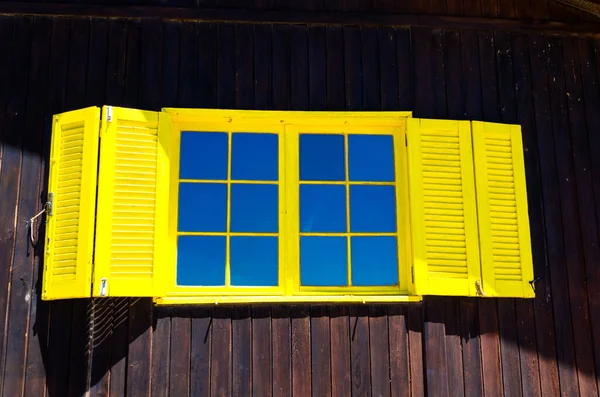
244	240
358	249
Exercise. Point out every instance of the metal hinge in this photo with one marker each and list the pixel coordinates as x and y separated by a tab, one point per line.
49	206
479	289
109	114
103	287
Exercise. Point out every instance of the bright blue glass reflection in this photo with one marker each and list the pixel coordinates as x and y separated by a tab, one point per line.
322	157
200	260
254	208
254	261
372	209
203	155
202	207
371	158
323	261
374	261
254	157
322	208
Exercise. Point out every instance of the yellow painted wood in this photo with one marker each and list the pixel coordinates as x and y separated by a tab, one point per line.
314	299
504	235
132	212
445	250
72	185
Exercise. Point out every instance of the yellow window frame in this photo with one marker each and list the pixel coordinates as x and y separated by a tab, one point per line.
287	125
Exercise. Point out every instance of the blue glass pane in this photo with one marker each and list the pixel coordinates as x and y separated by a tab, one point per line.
372	209
254	261
323	261
200	260
254	208
322	208
203	155
374	261
322	157
254	157
371	158
202	207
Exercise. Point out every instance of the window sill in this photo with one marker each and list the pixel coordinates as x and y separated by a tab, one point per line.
212	300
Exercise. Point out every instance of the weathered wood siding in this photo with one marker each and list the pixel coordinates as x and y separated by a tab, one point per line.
446	346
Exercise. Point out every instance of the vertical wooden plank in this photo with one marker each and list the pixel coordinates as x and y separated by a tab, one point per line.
151	58
523	9
353	68
423	76
301	370
528	319
161	352
455	7
469	328
371	77
119	346
241	345
32	186
437	7
140	338
207	65
506	8
320	351
509	348
405	69
489	8
186	342
60	312
588	53
170	67
379	351
454	359
200	353
415	341
282	351
115	63
226	68
299	68
488	311
130	98
399	351
100	312
359	348
335	76
161	335
317	68
96	67
220	360
261	352
7	179
581	234
471	348
189	82
435	347
340	351
388	59
244	58
550	116
263	66
453	74
539	9
281	67
472	8
75	98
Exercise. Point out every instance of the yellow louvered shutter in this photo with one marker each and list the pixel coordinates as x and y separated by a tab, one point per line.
506	260
443	209
72	192
132	217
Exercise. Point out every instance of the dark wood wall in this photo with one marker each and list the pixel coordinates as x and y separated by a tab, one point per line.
446	346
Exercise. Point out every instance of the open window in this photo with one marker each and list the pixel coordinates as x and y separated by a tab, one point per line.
205	206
